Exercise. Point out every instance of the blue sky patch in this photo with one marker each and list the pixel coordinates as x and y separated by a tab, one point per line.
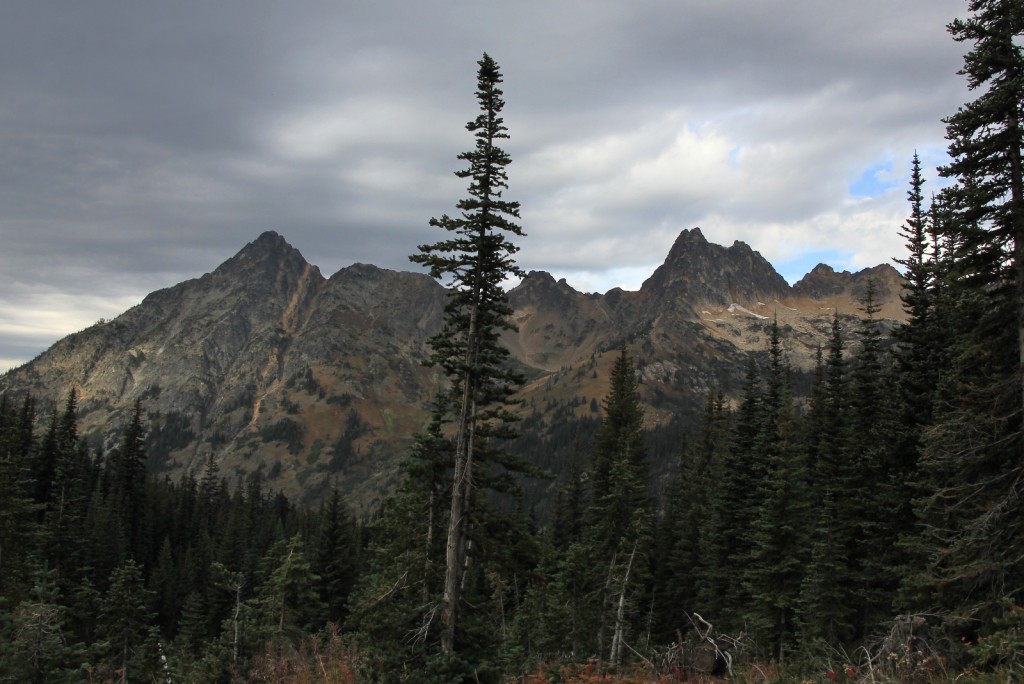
734	157
874	181
797	266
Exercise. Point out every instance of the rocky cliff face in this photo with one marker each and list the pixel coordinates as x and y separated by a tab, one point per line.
199	347
823	284
698	273
269	367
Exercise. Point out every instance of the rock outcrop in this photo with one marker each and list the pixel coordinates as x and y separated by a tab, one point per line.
271	368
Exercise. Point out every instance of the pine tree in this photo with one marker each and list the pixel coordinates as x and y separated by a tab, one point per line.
18	511
163	582
726	538
986	137
39	648
46	456
395	603
289	593
335	555
193	624
475	262
826	612
873	481
129	486
124	623
65	495
620	526
567	509
774	572
619	457
680	565
916	352
209	500
972	519
920	357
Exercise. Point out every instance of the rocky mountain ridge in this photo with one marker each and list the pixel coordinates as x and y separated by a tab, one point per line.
270	368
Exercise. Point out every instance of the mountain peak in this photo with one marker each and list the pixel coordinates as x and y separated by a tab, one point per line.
698	272
271	237
541	287
232	358
268	243
269	252
688	240
740	246
540	276
824	281
693	234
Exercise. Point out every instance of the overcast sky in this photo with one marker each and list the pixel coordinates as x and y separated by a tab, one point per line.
144	143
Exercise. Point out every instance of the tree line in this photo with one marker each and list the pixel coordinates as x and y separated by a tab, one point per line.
108	573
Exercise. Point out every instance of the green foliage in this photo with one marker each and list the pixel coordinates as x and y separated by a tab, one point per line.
285	430
394	605
726	535
680	562
1003	646
777	556
792	523
128	487
18	511
971	536
335	556
826	614
171	432
314	452
289	595
595	602
40	650
111	564
124	622
474	261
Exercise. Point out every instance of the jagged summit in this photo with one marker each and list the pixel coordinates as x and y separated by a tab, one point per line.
685	240
272	368
702	272
693	240
538	281
269	244
824	283
271	239
268	252
539	276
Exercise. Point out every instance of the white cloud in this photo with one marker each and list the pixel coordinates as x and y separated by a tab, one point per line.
161	139
32	322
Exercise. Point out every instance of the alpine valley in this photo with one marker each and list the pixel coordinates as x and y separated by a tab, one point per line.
268	367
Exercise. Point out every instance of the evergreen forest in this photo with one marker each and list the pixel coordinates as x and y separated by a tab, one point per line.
869	529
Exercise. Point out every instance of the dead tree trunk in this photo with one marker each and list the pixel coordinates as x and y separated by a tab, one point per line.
618	635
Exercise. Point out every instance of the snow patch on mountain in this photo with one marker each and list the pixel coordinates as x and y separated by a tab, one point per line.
736	308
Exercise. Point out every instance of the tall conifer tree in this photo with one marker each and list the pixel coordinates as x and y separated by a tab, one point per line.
620	524
986	140
826	612
873	483
774	571
475	261
335	554
971	511
918	339
394	605
727	537
17	509
129	492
